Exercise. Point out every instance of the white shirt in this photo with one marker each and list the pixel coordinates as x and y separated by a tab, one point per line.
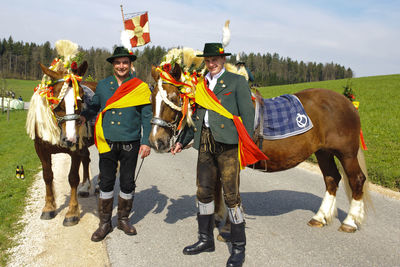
212	82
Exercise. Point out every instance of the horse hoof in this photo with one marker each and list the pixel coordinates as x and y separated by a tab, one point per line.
83	194
47	215
347	228
71	221
315	223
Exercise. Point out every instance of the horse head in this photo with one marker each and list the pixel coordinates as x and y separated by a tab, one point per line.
65	97
167	106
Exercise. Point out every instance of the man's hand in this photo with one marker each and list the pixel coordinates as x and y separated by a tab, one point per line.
177	148
82	119
144	151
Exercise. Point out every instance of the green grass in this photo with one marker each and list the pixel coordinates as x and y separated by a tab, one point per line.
22	88
16	148
379	111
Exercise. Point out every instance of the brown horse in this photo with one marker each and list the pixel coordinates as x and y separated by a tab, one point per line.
57	129
335	133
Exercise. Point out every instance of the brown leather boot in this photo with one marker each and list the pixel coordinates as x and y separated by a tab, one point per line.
124	208
105	213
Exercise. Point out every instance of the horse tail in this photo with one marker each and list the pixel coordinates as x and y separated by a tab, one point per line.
366	194
366	191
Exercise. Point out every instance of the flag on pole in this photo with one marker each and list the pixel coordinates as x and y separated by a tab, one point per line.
137	28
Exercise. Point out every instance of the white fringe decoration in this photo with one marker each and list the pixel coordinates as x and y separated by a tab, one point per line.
40	120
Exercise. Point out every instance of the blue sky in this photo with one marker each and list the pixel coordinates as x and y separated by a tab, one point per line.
362	35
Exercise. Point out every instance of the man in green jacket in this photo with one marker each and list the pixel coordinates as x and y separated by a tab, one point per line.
216	138
126	131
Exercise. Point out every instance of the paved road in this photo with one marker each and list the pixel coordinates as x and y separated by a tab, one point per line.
277	206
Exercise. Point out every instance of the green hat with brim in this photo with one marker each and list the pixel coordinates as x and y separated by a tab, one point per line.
121	51
213	50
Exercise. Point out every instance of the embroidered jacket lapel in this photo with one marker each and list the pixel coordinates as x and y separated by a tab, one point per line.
220	84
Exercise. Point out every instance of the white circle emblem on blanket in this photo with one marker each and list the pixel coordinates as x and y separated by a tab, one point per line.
301	120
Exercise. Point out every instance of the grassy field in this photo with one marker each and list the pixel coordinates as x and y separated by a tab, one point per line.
379	111
16	148
20	87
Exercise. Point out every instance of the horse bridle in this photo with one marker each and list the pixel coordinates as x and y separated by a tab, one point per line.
160	122
67	117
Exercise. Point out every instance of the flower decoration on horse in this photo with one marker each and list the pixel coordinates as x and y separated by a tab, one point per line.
67	51
349	93
191	68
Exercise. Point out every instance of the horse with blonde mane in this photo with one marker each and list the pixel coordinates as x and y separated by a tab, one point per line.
53	123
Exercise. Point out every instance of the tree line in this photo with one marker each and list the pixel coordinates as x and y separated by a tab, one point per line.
19	60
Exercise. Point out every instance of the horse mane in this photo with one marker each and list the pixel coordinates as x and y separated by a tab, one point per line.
240	71
40	121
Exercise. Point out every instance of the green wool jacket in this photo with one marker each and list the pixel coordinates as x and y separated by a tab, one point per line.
122	124
234	94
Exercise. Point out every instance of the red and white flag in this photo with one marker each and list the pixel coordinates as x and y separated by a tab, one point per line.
137	29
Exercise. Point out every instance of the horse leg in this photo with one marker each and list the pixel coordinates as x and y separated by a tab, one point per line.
72	216
86	185
356	180
332	178
49	210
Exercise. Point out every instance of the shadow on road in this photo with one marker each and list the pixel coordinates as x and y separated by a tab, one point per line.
272	203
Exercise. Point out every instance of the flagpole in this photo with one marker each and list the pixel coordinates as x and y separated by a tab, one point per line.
123	17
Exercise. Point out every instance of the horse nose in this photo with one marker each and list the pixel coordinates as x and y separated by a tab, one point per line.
66	143
159	145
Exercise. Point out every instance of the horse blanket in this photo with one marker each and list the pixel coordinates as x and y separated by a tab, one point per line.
283	116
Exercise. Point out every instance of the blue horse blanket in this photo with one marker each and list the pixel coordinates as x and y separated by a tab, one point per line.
284	116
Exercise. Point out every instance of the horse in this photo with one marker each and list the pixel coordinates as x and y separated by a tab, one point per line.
335	133
53	123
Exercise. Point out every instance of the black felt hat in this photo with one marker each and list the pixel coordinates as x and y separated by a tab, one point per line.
121	51
213	50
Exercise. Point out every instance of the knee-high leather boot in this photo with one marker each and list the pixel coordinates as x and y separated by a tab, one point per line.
206	236
124	208
238	240
105	212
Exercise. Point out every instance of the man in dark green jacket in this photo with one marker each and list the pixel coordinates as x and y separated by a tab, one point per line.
216	138
126	131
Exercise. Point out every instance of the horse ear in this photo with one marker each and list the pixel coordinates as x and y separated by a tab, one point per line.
176	72
82	68
154	73
52	74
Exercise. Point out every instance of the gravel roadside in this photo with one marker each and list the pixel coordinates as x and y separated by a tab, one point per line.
49	243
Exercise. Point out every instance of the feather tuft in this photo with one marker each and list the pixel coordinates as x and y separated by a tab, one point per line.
125	40
226	34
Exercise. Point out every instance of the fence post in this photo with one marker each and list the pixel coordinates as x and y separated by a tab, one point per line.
3	95
8	111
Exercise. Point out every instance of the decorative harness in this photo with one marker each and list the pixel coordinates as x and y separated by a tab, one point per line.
186	100
45	89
